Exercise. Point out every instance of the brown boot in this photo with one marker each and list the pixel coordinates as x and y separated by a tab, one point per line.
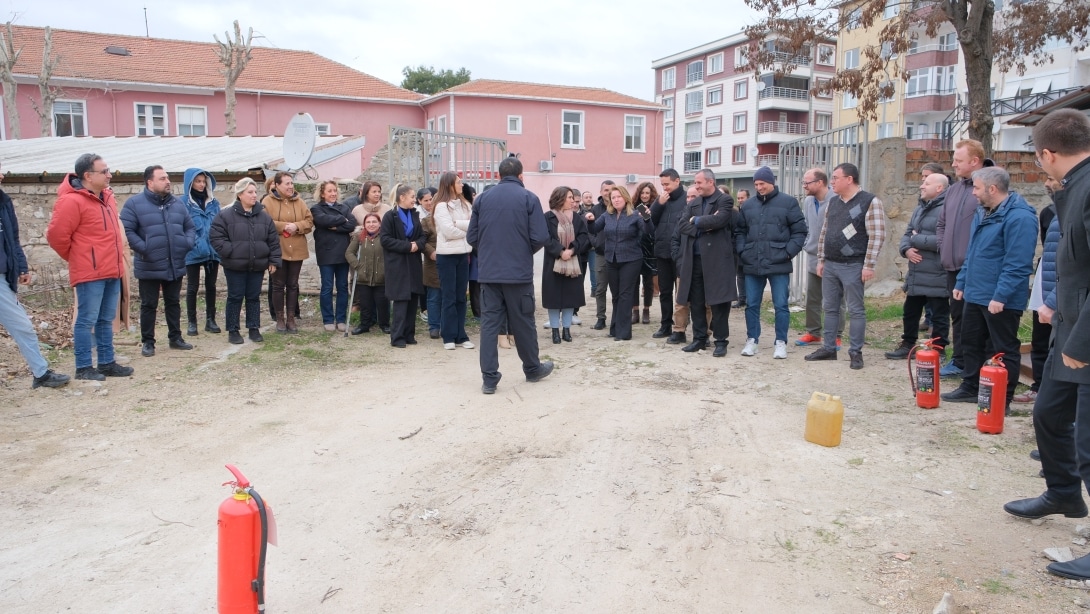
278	307
646	315
635	315
291	307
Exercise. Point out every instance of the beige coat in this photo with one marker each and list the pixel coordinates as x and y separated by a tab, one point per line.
286	211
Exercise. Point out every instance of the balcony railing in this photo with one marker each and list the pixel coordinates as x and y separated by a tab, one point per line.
769	160
932	47
784	92
782	127
933	91
797	60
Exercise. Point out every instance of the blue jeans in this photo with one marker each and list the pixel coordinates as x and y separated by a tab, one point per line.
755	290
14	319
95	311
334	273
453	284
560	316
435	308
592	270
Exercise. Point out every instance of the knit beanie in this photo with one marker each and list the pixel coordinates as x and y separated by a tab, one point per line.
764	174
242	184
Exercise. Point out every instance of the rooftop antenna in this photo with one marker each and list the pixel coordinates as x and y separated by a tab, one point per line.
147	32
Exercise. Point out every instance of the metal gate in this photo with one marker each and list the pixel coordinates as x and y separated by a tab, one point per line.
418	157
824	151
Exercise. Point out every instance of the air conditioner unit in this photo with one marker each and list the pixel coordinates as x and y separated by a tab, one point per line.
545	166
631	178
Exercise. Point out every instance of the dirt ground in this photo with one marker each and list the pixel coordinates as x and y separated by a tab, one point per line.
636	478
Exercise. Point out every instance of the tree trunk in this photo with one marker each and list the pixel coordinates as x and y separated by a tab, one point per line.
978	73
973	22
10	110
229	111
8	57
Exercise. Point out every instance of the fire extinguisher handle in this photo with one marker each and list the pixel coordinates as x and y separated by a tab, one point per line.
240	480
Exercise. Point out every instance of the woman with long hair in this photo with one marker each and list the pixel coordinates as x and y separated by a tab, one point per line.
646	195
294	222
452	214
403	241
433	299
246	240
364	255
621	227
371	202
562	275
333	226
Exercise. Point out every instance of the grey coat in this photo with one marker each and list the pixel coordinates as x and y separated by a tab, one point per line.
713	233
928	278
1071	322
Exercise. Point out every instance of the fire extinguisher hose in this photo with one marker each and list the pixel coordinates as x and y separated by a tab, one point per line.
911	380
259	583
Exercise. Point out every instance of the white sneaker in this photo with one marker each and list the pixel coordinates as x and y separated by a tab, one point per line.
449	346
545	325
576	321
780	350
468	345
751	348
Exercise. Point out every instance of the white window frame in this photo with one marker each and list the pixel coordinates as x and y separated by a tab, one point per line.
734	157
668	136
744	85
713	126
741	53
910	130
885	130
854	19
715	90
919	82
630	122
850	101
83	115
948	41
323	129
851	59
150	130
823	118
818	82
668	114
693	131
713	156
744	117
694	103
581	138
694	77
689	167
829	53
712	61
431	124
668	160
892	9
517	129
178	108
669	79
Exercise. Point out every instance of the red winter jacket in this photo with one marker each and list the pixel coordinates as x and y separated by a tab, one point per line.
85	230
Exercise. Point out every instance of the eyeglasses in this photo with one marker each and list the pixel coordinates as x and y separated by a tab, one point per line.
105	171
806	183
836	178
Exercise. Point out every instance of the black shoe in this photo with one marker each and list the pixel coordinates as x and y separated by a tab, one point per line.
411	341
720	349
959	395
856	357
556	335
739	305
435	333
255	335
359	330
1035	455
676	338
663	331
148	349
695	346
488	388
1078	569
180	344
385	329
600	324
234	337
542	373
210	326
822	353
112	369
901	352
397	344
565	335
89	373
192	330
50	379
1046	504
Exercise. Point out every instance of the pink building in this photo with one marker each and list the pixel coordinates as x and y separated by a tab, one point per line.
570	136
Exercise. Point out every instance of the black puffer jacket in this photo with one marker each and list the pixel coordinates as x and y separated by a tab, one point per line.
245	240
333	226
768	232
160	233
928	278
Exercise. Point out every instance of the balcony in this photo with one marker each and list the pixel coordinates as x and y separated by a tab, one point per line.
788	98
778	132
927	100
769	160
784	58
773	161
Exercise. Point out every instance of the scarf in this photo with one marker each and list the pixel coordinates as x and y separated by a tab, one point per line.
201	197
406	216
565	233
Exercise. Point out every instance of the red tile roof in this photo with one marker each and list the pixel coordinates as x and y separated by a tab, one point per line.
516	89
187	63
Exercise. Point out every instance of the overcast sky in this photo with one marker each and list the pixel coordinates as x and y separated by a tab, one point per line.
594	43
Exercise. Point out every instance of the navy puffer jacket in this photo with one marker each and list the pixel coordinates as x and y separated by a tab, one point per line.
768	232
1048	263
160	233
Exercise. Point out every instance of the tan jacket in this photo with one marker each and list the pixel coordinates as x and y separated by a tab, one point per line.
361	210
431	273
294	211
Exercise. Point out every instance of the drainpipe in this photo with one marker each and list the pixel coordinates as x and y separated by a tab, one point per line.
258	113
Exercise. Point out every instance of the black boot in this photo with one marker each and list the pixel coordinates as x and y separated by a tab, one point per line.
556	335
192	330
902	351
210	326
566	335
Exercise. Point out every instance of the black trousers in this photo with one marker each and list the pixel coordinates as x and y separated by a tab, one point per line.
699	313
984	333
193	285
1039	350
1061	421
623	277
149	304
243	285
373	305
403	328
512	305
667	277
940	318
957	310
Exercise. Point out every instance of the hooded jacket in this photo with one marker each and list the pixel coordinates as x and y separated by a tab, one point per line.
160	234
927	278
202	216
86	232
14	259
284	211
999	258
246	241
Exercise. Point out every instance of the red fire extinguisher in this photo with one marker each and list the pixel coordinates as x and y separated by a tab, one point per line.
926	384
244	521
991	400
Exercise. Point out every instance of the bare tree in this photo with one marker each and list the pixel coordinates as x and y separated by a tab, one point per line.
47	93
798	25
9	55
234	54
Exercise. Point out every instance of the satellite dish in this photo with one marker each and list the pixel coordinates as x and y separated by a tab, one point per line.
761	85
299	140
753	151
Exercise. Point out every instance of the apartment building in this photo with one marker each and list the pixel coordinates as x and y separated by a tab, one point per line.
720	116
